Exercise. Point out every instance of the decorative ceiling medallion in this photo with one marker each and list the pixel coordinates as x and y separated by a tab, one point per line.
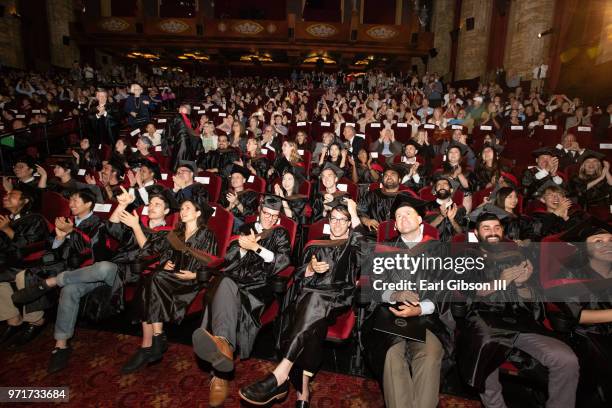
248	28
271	28
321	30
114	24
173	26
382	32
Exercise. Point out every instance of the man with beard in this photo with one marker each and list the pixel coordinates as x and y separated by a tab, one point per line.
240	293
543	174
408	371
238	200
103	120
447	216
375	206
143	181
559	215
501	321
110	180
219	160
325	200
416	173
323	289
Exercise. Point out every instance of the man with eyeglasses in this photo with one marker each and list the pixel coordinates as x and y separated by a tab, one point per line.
269	139
239	295
219	160
323	289
184	180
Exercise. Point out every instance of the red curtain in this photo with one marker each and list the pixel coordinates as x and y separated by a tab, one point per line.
497	34
379	11
564	13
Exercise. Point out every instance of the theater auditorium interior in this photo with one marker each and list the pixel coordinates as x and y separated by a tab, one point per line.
205	203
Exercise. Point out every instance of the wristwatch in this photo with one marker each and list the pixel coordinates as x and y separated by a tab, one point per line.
258	250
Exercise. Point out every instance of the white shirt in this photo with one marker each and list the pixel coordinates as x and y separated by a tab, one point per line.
541	173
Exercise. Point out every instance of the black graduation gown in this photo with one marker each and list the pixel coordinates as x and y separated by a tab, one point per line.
222	160
491	326
445	228
313	303
261	164
376	343
592	343
151	190
249	200
105	128
598	195
376	205
161	296
28	229
546	223
252	275
86	244
318	206
532	185
89	159
518	227
184	142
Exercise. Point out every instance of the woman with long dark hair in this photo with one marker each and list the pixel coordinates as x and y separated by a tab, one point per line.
294	203
488	168
164	294
517	227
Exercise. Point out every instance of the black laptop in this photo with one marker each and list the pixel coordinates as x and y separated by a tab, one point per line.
409	328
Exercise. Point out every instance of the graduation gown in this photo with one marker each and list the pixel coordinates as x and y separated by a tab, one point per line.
598	195
445	228
261	164
28	229
105	128
252	275
313	303
376	343
318	207
493	323
222	160
184	141
249	200
85	245
546	223
376	205
532	185
161	296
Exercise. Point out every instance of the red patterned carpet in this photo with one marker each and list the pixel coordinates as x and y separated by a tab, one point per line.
175	382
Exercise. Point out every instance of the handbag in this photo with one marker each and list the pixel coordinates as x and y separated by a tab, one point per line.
102	302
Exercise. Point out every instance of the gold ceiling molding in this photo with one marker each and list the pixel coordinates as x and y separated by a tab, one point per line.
248	28
321	30
382	32
114	24
173	26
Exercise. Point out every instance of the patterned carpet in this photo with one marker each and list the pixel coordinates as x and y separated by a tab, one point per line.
178	381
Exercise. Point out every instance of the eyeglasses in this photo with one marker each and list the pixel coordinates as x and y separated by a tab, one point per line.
269	215
334	220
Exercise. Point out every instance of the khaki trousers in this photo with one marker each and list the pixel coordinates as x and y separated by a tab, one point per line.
7	309
415	383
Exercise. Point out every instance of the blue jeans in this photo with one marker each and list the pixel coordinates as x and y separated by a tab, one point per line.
76	284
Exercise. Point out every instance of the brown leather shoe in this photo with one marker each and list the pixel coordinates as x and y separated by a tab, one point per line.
214	349
219	389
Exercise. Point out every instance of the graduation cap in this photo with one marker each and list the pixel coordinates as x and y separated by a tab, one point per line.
408	200
166	195
399	168
331	166
587	228
236	168
296	173
591	154
272	202
191	165
199	197
551	151
488	208
545	185
149	164
456	145
413	142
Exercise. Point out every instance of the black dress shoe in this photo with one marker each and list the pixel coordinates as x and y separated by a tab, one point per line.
10	333
29	333
28	295
59	359
143	357
302	404
264	391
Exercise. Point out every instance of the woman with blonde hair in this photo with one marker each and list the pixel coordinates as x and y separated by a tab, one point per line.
593	183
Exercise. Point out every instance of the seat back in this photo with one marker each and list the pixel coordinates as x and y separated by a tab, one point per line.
255	183
291	227
318	229
213	184
55	205
220	223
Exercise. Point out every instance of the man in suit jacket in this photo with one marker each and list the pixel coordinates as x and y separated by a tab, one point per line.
137	107
354	143
386	145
